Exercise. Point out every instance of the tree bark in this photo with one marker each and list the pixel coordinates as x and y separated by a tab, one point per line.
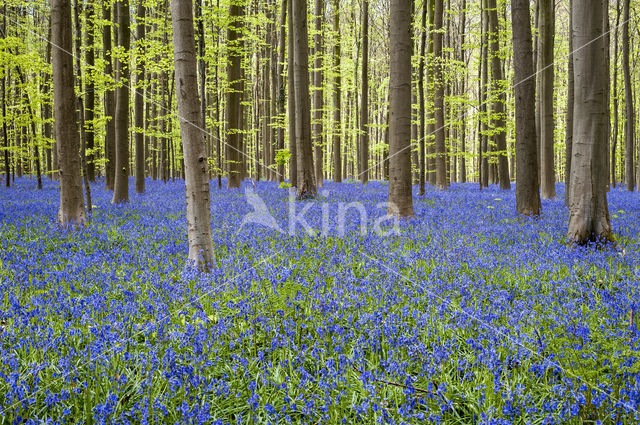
234	96
337	97
547	30
400	194
569	123
193	136
318	94
291	99
304	153
497	80
438	83
629	128
109	100
71	211
282	40
121	182
421	102
588	210
139	100
527	190
364	105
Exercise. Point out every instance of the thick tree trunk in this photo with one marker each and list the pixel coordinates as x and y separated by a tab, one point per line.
588	211
629	128
109	100
318	94
71	210
400	194
304	149
547	30
438	83
337	97
139	101
121	183
193	137
499	94
234	96
527	190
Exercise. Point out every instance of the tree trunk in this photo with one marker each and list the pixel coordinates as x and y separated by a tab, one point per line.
193	137
421	102
527	190
364	106
109	100
3	90
234	96
318	94
304	153
282	40
71	210
569	123
438	83
629	128
588	211
139	100
547	30
400	194
499	95
337	97
616	115
291	98
90	92
121	183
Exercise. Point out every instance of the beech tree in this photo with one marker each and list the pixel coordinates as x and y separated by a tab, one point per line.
588	210
527	189
400	194
71	211
121	181
234	96
193	137
546	66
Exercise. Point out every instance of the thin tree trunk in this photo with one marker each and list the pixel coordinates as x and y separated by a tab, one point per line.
400	194
337	97
291	98
90	92
139	100
282	40
569	123
304	150
364	105
109	100
3	89
547	168
616	115
629	128
438	83
234	96
421	102
588	210
499	98
121	183
318	94
527	190
193	137
71	210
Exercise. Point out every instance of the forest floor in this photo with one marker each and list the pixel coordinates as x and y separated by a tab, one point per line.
468	314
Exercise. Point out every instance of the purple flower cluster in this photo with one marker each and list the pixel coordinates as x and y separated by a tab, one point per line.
470	314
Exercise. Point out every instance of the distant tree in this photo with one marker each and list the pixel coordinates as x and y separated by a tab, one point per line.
304	153
193	137
71	211
527	188
291	100
400	194
318	94
569	120
121	182
588	210
422	115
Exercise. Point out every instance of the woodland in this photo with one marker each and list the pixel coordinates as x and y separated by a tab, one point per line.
319	211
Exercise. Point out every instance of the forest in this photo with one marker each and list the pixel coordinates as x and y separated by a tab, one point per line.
319	212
